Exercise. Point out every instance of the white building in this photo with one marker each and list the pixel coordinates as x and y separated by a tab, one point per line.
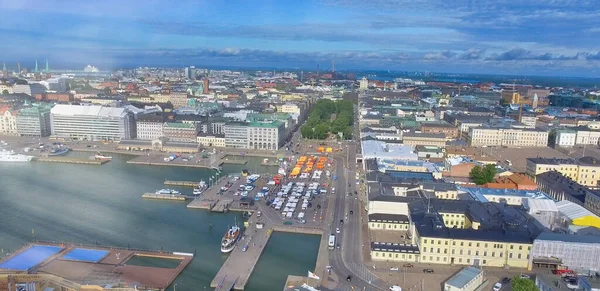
55	84
364	84
587	136
468	279
510	137
8	121
149	127
565	138
29	89
578	252
91	122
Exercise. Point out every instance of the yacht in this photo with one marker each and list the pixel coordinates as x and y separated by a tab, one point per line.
168	192
200	188
99	156
10	156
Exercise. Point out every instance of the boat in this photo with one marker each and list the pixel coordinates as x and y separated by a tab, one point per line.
10	156
230	238
99	156
59	151
168	192
200	188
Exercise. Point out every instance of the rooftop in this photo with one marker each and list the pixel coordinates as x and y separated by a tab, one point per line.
586	239
395	247
91	110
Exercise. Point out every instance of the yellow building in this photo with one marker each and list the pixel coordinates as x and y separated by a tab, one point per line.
292	97
289	108
510	97
211	141
462	233
585	170
394	222
6	87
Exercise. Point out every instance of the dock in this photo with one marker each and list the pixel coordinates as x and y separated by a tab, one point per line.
222	205
181	183
235	272
166	196
234	162
68	160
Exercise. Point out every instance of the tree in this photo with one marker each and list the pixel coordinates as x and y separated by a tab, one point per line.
519	284
5	92
481	175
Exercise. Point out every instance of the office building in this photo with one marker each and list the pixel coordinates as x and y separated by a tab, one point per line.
150	126
266	135
448	130
585	170
34	120
211	140
180	132
509	137
364	84
565	138
236	134
577	252
91	122
425	139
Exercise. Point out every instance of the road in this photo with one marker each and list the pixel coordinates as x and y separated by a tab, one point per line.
347	260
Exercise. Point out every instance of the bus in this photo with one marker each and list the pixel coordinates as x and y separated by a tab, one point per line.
331	242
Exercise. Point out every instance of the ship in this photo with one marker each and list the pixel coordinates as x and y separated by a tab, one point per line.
10	156
59	151
200	188
230	238
99	156
168	192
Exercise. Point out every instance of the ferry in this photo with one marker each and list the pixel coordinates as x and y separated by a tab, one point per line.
168	192
230	238
10	156
99	156
200	188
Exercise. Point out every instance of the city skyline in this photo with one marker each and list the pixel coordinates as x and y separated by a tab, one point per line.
557	38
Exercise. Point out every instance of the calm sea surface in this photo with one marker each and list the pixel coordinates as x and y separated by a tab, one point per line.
102	204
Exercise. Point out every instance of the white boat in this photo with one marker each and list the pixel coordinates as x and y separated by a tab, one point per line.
10	156
230	238
200	188
168	192
99	156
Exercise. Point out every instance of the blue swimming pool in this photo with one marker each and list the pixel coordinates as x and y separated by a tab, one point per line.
85	255
30	257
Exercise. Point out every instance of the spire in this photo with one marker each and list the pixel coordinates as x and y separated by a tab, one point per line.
18	67
47	67
36	66
3	66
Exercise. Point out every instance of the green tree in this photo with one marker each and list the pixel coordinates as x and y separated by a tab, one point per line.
4	92
481	175
519	284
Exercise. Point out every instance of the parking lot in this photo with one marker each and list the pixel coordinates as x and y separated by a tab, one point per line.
518	156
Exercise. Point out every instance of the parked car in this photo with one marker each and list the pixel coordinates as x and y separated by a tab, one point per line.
337	230
428	270
408	265
524	276
497	287
349	278
505	280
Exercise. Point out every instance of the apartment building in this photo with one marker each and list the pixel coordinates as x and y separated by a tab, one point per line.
510	137
565	138
236	134
211	140
91	122
34	120
266	135
585	170
562	188
8	120
180	132
150	127
448	130
426	139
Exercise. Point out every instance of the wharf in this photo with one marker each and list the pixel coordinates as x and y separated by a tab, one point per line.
166	196
211	200
234	162
68	160
181	183
222	205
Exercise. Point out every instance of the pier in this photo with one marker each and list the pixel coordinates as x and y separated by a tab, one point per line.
234	162
181	183
166	196
68	160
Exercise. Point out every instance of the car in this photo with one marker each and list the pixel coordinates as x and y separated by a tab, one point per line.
337	230
428	270
341	221
497	287
505	280
337	246
349	278
408	265
351	212
524	276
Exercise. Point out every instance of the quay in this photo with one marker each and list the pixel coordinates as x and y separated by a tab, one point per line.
233	162
181	183
166	196
68	160
100	266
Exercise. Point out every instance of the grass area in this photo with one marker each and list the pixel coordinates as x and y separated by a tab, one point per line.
153	262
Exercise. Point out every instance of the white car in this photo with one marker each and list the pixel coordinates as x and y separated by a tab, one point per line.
524	276
497	287
337	230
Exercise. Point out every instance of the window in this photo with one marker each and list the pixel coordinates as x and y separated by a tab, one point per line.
477	244
438	250
485	253
519	256
424	241
493	254
484	262
510	255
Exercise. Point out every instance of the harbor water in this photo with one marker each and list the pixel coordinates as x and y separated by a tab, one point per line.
102	205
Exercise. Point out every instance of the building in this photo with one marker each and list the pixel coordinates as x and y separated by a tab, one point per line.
584	171
29	89
53	96
511	97
426	139
150	126
211	140
528	120
236	134
205	86
266	135
468	279
364	84
518	181
91	122
388	221
510	137
587	135
34	120
462	232
565	138
508	196
448	130
180	132
430	152
576	252
178	99
8	120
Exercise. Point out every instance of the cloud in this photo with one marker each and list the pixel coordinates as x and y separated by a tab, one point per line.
523	54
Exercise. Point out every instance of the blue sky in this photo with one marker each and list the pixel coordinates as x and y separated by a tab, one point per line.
534	37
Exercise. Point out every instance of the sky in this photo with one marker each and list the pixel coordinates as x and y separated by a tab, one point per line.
520	37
